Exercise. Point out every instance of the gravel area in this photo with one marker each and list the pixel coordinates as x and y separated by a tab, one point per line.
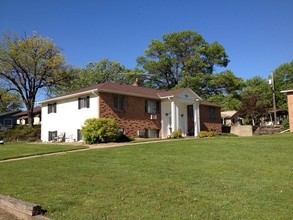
7	216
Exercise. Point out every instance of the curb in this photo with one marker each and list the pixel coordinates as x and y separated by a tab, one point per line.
21	209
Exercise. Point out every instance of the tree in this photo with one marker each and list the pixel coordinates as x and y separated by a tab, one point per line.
9	101
225	89
256	98
182	59
29	64
95	73
283	79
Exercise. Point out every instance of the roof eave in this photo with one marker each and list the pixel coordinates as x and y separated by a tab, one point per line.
67	96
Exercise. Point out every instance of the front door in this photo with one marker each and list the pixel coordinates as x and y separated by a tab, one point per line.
190	120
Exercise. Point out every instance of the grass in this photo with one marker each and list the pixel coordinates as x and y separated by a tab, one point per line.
209	178
21	149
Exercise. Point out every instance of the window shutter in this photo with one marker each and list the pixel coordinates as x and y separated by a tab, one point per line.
116	102
122	103
87	101
79	100
146	106
158	107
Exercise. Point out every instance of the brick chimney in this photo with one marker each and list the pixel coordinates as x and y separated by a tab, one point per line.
136	83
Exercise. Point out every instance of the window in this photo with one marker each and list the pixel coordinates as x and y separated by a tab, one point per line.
119	103
84	102
79	135
52	135
152	106
212	113
8	122
52	108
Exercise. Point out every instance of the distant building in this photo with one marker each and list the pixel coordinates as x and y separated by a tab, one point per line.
7	120
22	118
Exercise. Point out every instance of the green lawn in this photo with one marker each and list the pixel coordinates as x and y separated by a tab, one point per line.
22	149
212	178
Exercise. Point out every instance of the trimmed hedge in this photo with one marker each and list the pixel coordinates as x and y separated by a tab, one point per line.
21	133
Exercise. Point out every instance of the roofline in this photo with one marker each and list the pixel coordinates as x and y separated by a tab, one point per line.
128	93
94	91
68	96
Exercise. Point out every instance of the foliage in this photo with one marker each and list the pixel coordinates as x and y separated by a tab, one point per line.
283	79
99	130
225	90
96	73
285	123
256	98
9	101
30	64
183	58
123	138
21	133
208	178
177	134
203	134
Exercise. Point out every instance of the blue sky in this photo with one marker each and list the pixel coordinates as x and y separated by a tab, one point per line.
257	34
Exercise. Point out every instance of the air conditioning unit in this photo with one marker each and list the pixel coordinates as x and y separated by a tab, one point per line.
154	116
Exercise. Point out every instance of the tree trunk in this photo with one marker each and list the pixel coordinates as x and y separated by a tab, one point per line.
30	115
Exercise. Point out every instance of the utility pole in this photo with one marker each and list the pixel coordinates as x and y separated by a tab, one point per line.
272	83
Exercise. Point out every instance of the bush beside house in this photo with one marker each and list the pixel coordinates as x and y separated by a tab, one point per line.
21	133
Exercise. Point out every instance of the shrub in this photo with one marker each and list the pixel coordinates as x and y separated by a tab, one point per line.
99	130
203	134
177	134
285	123
22	133
123	138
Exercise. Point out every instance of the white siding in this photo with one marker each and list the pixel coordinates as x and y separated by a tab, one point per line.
68	117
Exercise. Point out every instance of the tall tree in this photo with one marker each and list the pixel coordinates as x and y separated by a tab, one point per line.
29	64
101	71
182	59
256	98
225	89
283	79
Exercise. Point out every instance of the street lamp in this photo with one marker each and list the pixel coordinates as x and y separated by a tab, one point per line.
272	83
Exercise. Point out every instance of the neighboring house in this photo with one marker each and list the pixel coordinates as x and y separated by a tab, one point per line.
289	93
139	111
22	118
7	120
229	118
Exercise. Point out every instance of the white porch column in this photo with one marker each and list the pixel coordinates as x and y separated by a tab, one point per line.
173	116
196	118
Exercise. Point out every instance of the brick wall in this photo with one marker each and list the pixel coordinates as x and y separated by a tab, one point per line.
210	121
290	109
134	117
